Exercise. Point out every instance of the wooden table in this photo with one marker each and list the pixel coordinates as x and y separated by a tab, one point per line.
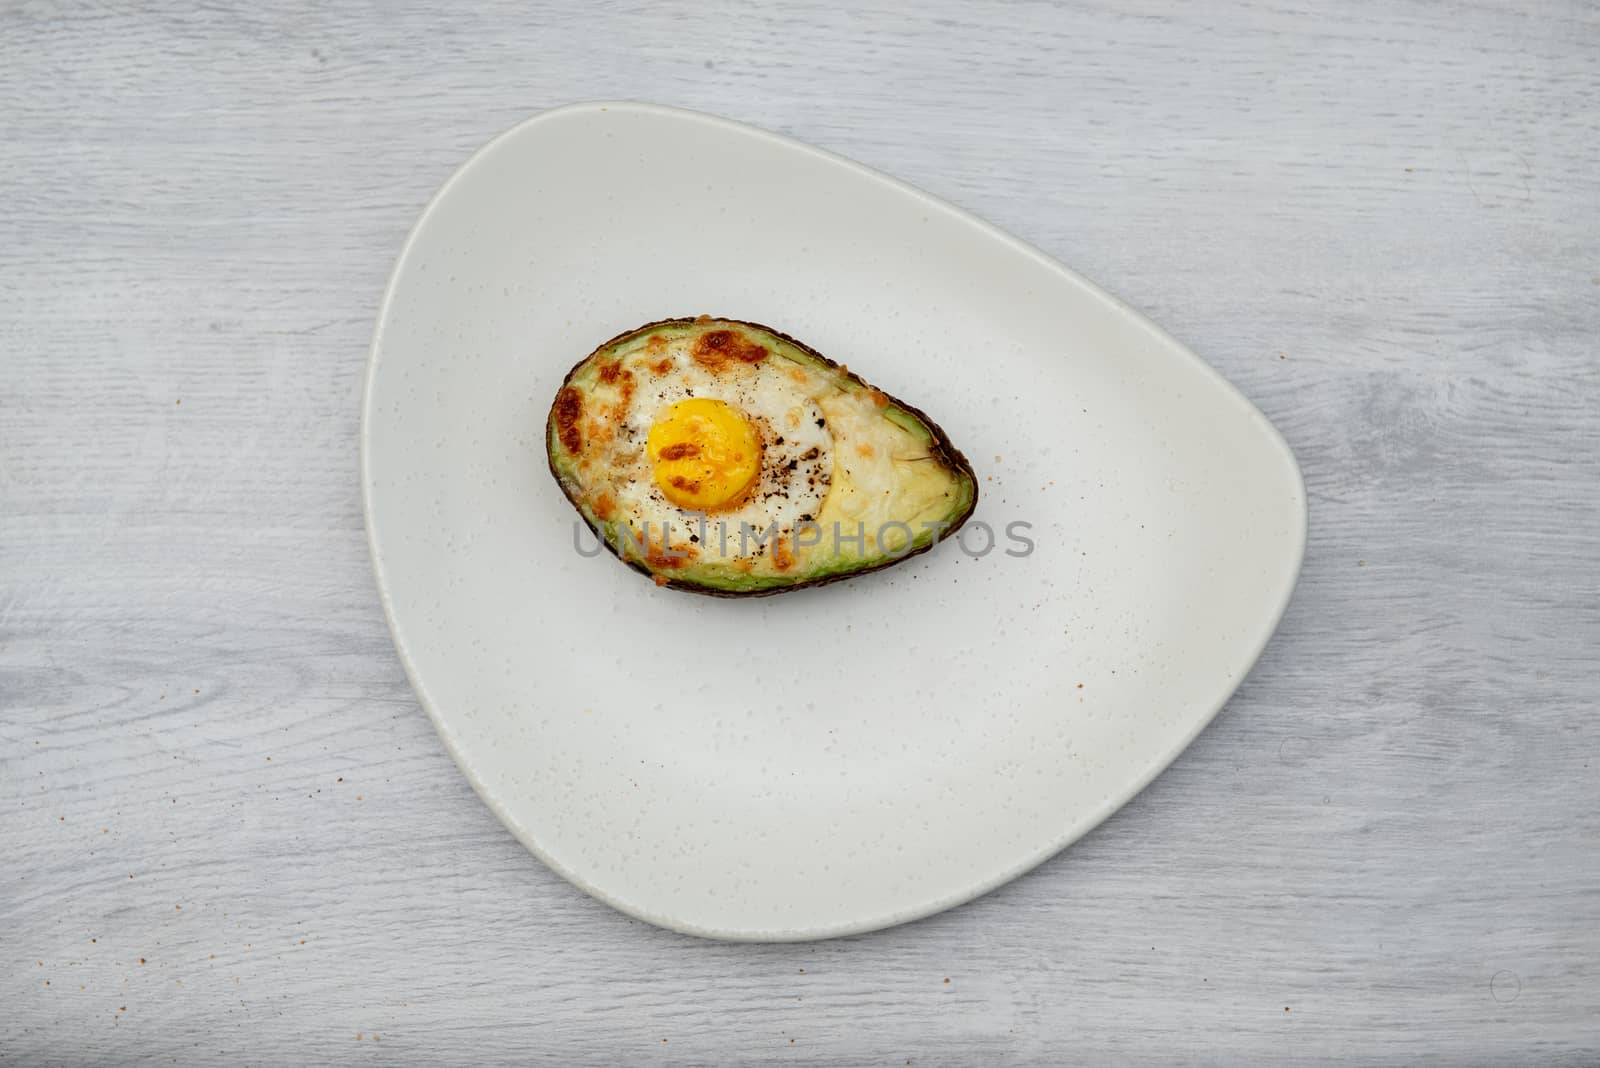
230	833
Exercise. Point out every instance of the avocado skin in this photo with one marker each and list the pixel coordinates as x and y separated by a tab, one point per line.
950	455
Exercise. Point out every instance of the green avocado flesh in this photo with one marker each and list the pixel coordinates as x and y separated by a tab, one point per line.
723	457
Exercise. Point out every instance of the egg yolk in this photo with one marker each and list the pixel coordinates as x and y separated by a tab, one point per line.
705	454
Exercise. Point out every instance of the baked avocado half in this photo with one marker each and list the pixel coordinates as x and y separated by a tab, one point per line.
724	457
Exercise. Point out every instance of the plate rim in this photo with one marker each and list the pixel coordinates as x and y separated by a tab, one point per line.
861	925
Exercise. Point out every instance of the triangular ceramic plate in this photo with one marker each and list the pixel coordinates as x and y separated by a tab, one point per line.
843	758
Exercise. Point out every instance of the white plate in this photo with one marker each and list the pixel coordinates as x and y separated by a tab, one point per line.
838	759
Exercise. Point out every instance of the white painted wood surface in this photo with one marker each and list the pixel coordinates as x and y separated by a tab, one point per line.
230	834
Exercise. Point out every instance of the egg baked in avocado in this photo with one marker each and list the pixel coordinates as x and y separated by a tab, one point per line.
724	457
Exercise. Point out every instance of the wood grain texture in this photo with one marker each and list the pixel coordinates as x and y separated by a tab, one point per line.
230	834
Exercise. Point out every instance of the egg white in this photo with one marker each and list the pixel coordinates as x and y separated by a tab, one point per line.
797	451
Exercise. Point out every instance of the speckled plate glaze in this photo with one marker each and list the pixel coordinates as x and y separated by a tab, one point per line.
843	758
